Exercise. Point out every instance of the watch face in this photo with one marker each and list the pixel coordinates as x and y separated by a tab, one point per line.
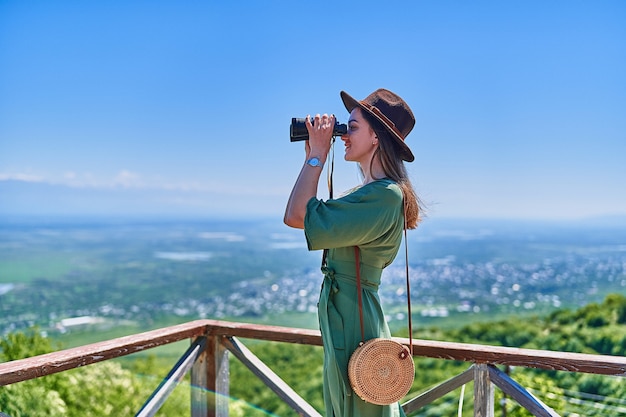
314	162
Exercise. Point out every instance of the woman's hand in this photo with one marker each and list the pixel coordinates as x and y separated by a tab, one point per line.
320	130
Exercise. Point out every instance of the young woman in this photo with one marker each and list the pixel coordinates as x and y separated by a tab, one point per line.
371	216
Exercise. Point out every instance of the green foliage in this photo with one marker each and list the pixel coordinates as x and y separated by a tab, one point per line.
596	328
23	345
300	366
541	387
31	398
102	389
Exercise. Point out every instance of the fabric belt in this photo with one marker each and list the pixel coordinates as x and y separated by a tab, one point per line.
345	271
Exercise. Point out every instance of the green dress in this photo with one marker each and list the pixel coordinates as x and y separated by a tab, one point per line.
370	217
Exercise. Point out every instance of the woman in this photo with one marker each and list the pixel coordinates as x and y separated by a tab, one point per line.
372	217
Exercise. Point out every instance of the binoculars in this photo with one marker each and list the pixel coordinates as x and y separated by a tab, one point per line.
297	130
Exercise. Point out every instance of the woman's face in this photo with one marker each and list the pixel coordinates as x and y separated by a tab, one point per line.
360	141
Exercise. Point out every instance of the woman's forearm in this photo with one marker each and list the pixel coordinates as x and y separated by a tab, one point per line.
304	189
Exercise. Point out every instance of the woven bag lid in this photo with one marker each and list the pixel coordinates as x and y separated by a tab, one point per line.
381	371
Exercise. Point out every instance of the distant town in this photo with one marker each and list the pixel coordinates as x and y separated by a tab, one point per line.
98	276
440	287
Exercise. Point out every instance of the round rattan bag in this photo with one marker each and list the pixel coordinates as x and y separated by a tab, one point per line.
381	371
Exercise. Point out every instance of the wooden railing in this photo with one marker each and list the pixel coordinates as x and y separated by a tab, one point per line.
207	360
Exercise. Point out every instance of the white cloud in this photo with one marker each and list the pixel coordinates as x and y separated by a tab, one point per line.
21	177
128	179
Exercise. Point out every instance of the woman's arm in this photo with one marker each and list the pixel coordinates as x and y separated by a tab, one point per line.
305	188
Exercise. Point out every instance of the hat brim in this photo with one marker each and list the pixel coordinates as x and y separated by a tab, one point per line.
350	103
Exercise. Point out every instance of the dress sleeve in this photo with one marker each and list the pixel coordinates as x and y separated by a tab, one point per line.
355	219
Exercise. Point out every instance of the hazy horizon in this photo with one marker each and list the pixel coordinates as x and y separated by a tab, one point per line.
27	200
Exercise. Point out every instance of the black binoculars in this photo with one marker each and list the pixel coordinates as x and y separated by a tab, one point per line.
297	130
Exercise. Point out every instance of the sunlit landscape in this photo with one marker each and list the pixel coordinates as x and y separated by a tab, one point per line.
67	275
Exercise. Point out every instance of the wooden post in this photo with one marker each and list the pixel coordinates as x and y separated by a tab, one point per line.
210	381
483	391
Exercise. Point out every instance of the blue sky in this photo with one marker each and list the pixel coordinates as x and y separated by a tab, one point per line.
180	107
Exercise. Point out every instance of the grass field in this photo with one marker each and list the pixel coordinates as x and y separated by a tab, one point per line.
31	266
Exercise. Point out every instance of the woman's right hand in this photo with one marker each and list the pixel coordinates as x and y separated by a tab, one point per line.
320	130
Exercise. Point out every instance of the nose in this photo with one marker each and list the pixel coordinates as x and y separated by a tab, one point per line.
344	137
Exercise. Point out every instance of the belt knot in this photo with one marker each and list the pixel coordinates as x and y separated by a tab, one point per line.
329	278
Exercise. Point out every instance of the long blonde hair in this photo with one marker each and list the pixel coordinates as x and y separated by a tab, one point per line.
393	167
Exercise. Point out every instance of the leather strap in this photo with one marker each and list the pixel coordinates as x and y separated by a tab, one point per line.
357	262
408	282
331	168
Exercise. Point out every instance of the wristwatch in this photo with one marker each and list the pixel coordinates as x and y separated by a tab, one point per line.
314	162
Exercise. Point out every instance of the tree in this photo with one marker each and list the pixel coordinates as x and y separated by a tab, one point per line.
96	390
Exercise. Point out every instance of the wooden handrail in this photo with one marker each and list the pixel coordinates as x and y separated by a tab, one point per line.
38	366
528	358
211	365
50	363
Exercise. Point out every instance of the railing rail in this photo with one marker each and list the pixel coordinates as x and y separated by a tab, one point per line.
212	340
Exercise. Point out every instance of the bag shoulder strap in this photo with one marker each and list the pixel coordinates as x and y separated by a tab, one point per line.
359	292
357	262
